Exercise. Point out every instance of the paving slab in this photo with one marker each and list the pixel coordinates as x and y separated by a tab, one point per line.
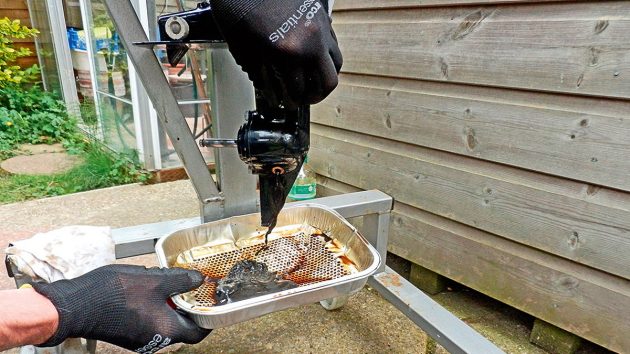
47	163
116	207
41	148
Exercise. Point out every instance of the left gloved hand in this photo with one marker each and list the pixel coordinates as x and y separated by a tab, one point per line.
124	305
287	47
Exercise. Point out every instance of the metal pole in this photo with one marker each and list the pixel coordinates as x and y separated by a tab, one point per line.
448	330
59	37
376	230
86	15
218	143
232	95
150	73
140	101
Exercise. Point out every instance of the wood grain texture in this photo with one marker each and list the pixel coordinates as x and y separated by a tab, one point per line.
584	301
18	10
589	303
579	138
588	225
577	47
27	62
573	297
17	14
12	4
392	4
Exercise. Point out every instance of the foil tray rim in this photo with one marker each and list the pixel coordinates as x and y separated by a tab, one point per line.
282	295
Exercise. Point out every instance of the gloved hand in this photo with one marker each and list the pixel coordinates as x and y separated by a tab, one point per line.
124	305
287	47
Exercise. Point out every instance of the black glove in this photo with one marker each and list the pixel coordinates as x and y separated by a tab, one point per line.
287	47
124	305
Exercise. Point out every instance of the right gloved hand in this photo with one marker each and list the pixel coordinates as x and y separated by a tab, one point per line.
124	305
287	47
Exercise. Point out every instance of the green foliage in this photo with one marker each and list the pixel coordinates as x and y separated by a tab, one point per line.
10	73
33	116
100	168
106	168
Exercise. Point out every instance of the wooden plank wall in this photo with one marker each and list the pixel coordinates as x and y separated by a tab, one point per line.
502	129
18	10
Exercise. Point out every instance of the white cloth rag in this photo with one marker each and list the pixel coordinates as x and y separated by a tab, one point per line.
63	253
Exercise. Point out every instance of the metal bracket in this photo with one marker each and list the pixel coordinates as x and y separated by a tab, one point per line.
218	199
441	325
152	77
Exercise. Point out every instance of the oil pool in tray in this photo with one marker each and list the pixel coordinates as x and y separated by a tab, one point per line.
294	257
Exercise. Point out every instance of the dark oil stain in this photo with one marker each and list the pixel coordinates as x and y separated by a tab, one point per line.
594	159
346	261
336	244
583	122
338	111
248	279
388	121
601	26
320	233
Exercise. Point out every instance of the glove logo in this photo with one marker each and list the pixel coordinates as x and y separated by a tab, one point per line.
311	13
308	10
158	342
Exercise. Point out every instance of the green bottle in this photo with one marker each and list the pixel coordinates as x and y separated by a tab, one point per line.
305	186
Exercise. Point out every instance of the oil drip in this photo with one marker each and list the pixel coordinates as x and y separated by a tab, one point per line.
274	189
248	279
278	189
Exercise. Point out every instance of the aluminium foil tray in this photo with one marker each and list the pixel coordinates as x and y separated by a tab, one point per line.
222	238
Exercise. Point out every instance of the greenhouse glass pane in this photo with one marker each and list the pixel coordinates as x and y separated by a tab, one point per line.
48	62
110	58
117	123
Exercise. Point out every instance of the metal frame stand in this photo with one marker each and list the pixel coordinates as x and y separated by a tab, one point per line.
373	206
214	202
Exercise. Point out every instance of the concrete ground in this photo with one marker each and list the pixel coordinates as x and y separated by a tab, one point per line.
367	324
